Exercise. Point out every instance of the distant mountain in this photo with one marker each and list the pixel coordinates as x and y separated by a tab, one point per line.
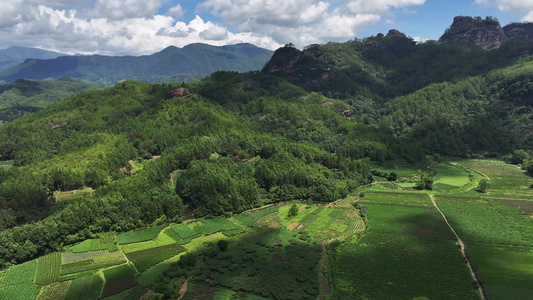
172	64
15	55
26	96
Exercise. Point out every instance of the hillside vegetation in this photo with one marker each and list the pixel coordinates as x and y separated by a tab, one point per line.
348	170
27	96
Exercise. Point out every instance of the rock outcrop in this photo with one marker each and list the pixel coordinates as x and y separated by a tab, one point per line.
485	33
284	59
521	31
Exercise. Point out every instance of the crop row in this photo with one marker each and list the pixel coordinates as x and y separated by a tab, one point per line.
137	236
145	259
110	259
54	291
48	268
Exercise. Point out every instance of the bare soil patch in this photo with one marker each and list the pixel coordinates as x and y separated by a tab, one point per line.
292	226
351	213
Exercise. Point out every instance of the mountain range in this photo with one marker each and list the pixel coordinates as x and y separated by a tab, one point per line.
189	63
15	55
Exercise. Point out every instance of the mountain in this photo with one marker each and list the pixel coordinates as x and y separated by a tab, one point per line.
172	64
27	96
15	55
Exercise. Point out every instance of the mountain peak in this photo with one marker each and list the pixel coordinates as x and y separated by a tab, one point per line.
485	33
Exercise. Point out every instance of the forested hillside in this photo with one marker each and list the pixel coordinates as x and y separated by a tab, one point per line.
244	140
27	96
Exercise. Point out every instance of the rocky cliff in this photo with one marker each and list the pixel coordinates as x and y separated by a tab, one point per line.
485	33
284	59
521	31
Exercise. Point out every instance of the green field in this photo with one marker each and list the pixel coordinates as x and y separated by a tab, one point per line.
48	268
54	291
104	243
144	259
385	241
506	271
449	177
413	250
142	235
17	282
85	288
106	260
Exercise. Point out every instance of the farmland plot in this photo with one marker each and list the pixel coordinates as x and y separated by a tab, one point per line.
48	268
141	235
85	288
414	251
17	282
147	258
104	243
107	260
54	291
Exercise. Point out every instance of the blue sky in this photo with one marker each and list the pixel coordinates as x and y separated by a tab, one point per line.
135	27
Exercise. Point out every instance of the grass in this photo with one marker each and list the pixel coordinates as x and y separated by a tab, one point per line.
142	235
147	258
200	241
54	291
450	175
48	268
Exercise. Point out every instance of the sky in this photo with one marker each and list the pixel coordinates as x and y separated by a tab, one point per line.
139	27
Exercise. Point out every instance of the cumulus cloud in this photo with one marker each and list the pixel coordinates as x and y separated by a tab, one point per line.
520	6
380	6
176	11
121	9
215	33
135	27
303	21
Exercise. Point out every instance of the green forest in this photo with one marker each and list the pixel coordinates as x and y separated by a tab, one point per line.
382	123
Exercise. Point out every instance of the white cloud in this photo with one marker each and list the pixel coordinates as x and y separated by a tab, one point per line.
520	6
215	33
303	21
121	9
119	27
176	11
380	6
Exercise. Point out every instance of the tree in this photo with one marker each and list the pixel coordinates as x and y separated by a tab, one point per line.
293	211
392	176
483	184
222	245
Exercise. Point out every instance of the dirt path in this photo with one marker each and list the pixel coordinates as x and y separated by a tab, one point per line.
146	295
184	288
462	245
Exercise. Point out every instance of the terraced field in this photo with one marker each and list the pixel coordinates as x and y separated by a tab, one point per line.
331	250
